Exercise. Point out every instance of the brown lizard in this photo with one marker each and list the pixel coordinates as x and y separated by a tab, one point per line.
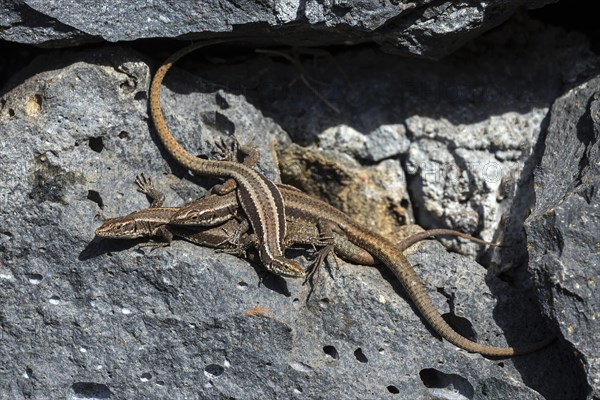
228	234
259	198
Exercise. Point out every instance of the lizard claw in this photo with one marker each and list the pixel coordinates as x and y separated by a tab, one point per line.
227	152
144	184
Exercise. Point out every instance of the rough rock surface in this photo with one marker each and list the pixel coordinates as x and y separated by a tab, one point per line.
564	226
86	318
101	318
426	27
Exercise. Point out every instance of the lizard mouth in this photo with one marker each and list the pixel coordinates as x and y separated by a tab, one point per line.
101	231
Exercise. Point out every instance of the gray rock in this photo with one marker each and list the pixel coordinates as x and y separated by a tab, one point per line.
344	139
564	225
89	318
425	28
387	141
384	142
22	24
432	31
465	173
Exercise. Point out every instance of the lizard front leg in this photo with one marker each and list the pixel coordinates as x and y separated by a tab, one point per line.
145	186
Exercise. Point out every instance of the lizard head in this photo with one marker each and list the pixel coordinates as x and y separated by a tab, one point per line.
118	228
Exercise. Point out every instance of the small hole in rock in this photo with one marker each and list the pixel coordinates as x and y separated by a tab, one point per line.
34	279
360	356
90	390
224	124
221	101
451	384
140	96
213	371
145	377
11	112
127	86
331	351
96	144
123	135
393	389
96	198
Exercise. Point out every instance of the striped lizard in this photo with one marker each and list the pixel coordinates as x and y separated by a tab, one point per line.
259	198
229	234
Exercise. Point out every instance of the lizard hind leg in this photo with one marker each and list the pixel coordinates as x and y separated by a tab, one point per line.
153	245
314	270
326	240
